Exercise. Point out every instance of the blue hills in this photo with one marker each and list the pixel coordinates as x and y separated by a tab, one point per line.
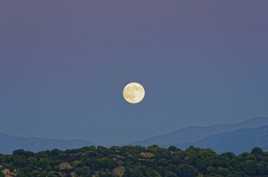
11	143
239	137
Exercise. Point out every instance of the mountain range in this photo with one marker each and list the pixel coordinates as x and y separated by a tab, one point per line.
237	137
11	143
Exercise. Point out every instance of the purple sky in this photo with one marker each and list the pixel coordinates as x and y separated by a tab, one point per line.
64	63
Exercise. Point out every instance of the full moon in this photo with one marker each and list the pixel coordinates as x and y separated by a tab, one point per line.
134	93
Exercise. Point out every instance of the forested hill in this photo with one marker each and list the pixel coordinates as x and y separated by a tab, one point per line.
134	161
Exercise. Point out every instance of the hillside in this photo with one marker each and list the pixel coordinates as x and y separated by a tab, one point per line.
242	140
194	135
11	143
134	161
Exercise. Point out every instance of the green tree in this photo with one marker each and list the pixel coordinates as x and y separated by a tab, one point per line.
186	171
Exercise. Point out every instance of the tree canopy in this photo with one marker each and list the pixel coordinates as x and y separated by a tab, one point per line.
134	161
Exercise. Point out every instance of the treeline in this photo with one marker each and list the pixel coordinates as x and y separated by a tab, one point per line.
134	161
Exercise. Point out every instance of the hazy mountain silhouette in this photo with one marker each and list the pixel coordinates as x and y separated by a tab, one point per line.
238	137
11	143
205	136
242	140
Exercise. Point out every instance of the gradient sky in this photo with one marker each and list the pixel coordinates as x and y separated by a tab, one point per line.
63	65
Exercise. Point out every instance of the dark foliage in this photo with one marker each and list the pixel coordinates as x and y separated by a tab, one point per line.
135	161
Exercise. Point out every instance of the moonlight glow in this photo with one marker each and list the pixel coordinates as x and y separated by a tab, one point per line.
134	93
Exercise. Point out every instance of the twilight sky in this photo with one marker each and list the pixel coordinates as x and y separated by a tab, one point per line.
63	65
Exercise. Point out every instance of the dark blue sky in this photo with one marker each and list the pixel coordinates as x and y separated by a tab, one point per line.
63	65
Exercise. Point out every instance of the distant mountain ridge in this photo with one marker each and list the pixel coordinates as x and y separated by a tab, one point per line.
206	136
238	137
11	143
242	140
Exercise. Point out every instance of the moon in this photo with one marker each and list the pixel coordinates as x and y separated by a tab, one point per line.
134	93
